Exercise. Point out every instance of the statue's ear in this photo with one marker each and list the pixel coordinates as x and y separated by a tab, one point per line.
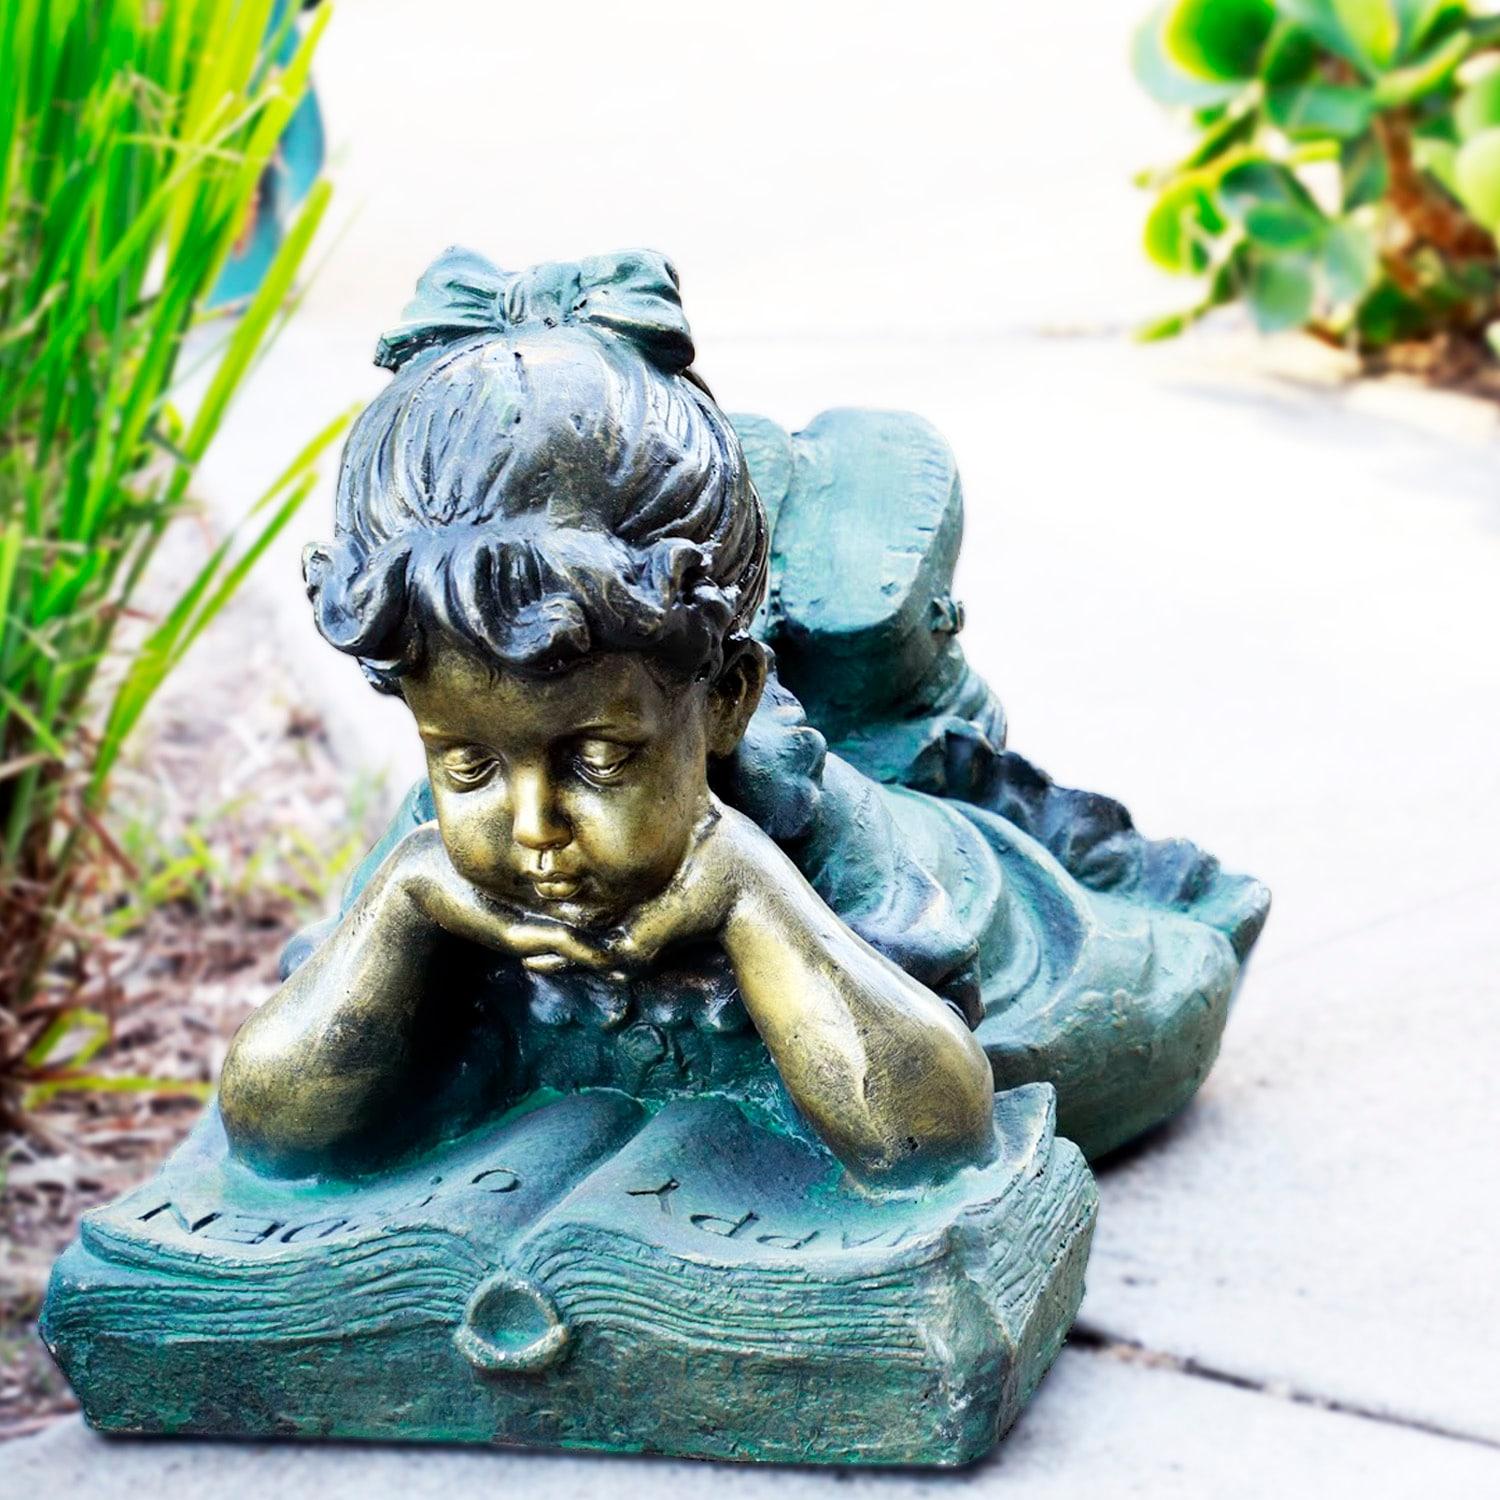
733	697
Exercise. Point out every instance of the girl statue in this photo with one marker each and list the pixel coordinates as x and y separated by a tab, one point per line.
684	1071
634	862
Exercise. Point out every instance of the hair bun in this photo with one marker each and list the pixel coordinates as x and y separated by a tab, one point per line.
631	294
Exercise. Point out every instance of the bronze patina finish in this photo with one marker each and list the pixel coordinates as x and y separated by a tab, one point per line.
682	1070
575	828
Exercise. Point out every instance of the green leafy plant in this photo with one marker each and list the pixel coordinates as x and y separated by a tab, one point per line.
1346	173
133	138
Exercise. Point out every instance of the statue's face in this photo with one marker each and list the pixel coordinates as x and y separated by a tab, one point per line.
575	795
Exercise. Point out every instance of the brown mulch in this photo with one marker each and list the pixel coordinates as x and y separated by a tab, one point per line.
239	827
1447	361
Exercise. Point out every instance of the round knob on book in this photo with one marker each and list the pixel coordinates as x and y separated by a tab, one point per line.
511	1325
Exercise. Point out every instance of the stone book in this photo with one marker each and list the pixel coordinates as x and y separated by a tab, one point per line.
586	1273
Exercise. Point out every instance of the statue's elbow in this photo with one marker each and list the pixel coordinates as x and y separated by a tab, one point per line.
962	1111
245	1102
936	1127
263	1112
976	1090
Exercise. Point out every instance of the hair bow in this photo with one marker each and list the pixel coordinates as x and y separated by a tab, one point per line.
632	293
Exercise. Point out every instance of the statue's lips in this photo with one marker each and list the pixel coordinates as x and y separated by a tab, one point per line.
551	881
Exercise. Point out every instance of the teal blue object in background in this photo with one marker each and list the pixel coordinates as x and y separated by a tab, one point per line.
284	184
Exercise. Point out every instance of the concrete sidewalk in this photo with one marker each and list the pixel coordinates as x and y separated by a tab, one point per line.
1099	1427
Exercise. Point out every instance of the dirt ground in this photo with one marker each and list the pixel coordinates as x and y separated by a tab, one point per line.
234	827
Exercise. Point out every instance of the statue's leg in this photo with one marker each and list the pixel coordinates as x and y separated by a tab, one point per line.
867	514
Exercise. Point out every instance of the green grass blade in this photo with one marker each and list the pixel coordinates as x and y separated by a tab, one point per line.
255	323
113	1083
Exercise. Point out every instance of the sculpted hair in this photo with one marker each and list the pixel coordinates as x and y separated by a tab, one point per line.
544	477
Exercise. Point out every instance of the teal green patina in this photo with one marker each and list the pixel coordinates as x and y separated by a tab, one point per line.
600	1213
587	1274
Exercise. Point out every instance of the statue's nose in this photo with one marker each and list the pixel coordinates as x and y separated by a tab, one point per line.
535	820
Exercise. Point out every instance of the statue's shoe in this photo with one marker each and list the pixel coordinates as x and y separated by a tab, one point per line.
866	515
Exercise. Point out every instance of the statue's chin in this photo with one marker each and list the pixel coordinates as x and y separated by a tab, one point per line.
587	910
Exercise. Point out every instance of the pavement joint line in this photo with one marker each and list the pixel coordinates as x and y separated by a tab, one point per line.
1087	1337
1372	924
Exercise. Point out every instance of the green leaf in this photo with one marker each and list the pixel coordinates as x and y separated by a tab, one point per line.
1235	128
44	736
1182	225
1281	292
1439	159
1406	85
1373	27
92	1023
1281	226
1350	261
1311	110
10	556
255	322
1224	286
112	1083
1476	174
1420	19
1291	56
1388	316
1162	79
168	643
1478	107
1230	277
207	593
1218	40
1364	172
1319	18
1249	184
1158	330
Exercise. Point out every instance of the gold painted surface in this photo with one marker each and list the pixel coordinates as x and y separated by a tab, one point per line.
575	828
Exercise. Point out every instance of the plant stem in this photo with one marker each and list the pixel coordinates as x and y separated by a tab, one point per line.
1430	215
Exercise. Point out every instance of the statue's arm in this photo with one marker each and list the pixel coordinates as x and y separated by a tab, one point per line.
883	1069
415	809
312	1069
330	1060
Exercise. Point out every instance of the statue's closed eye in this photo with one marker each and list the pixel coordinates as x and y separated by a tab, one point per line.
602	760
468	765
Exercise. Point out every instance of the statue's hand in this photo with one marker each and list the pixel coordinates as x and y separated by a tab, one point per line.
424	873
699	899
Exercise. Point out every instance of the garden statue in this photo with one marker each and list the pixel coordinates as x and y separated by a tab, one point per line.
680	1073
